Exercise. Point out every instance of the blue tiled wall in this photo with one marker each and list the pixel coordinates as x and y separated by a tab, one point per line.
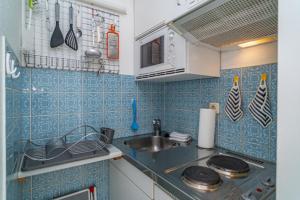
54	184
13	130
54	102
46	103
184	99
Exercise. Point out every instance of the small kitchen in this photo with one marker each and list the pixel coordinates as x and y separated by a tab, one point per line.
141	100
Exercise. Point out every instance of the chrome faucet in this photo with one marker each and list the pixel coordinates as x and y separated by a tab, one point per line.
156	127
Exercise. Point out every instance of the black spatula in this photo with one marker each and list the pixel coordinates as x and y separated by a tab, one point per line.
57	38
70	39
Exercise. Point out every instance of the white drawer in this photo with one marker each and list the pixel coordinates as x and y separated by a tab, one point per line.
135	175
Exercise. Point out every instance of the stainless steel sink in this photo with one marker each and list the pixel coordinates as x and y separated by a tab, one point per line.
150	143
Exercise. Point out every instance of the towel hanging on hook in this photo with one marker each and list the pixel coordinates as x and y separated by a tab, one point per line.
260	107
233	105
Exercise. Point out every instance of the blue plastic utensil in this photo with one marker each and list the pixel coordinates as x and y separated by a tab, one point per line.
134	125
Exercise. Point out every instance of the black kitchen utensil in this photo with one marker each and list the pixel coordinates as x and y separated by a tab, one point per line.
70	39
57	38
107	135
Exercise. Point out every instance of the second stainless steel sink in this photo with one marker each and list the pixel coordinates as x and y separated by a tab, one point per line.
150	143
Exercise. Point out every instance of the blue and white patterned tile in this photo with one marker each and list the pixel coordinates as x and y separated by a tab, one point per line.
23	83
127	100
26	189
128	84
169	99
45	186
157	101
157	87
188	101
70	81
70	102
254	132
25	104
25	128
127	119
274	77
144	101
230	141
70	180
251	77
209	91
256	150
44	103
14	190
68	122
113	119
45	79
209	85
273	148
91	174
126	123
112	83
17	103
9	84
192	86
93	119
92	102
9	102
112	101
43	127
91	82
188	119
144	86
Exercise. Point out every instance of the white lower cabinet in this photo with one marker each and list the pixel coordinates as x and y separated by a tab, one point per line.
129	183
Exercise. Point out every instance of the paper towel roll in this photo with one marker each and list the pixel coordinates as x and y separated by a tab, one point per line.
207	122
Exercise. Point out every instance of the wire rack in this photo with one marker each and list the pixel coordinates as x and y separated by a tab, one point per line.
56	147
36	41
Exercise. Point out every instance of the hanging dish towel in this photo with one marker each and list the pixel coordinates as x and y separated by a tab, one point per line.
233	106
260	105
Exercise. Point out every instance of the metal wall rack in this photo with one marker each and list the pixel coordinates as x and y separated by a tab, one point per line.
36	49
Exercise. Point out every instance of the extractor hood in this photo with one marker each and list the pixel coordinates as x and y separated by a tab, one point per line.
225	23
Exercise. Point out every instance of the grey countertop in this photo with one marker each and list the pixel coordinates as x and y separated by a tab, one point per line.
154	164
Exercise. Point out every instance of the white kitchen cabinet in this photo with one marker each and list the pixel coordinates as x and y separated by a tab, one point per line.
121	187
149	14
159	194
129	183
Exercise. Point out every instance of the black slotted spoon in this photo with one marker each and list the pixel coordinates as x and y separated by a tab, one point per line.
57	38
70	39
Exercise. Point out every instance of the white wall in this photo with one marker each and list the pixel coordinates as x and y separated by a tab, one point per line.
10	22
288	135
251	56
126	37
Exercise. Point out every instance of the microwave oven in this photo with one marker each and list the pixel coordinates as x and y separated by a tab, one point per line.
163	54
160	50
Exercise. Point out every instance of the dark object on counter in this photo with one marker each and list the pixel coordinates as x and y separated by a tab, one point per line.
71	40
57	38
229	166
202	178
156	127
107	135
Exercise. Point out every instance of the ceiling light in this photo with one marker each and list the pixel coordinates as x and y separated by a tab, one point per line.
257	42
